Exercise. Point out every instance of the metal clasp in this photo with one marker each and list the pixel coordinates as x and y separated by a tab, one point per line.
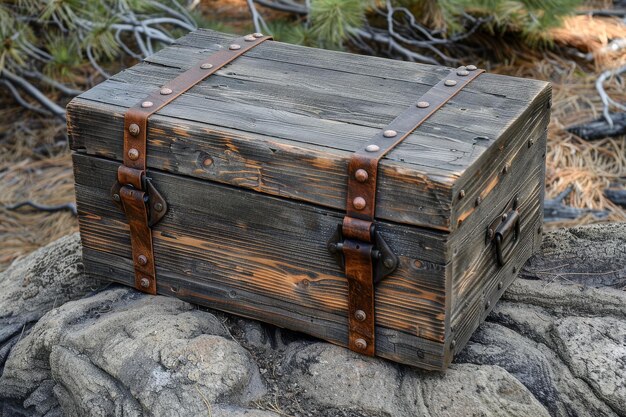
384	260
156	204
505	226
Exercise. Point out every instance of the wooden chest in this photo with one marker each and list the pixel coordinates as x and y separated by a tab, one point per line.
271	188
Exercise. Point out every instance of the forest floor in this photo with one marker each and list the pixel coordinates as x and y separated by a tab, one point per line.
35	163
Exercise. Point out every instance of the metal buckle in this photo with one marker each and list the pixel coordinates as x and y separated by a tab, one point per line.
157	206
383	259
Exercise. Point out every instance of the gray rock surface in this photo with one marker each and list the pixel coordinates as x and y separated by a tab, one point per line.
554	345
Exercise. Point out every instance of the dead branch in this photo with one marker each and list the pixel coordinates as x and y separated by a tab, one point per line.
71	207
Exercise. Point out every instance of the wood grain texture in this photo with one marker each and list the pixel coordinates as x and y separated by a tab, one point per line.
217	238
326	104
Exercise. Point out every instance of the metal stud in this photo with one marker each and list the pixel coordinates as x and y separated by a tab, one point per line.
471	68
133	129
388	262
166	91
146	104
360	344
479	200
504	217
116	197
490	233
206	65
500	285
423	104
359	203
372	148
361	175
142	260
461	194
249	38
462	73
487	305
390	133
133	154
234	47
158	207
145	282
257	35
449	83
360	315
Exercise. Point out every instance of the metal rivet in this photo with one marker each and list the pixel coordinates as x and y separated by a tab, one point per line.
145	282
530	142
116	197
453	344
158	207
471	68
166	91
462	73
257	35
372	148
479	200
500	285
249	38
147	104
360	344
142	260
487	305
514	270
505	170
504	217
206	65
359	203
461	193
360	315
490	233
390	133
361	175
449	83
234	47
133	154
389	263
133	129
423	104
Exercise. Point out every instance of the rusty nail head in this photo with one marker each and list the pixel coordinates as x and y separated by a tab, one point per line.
530	142
471	68
166	91
257	35
479	200
506	168
504	217
461	193
453	344
360	344
133	129
372	148
361	175
147	104
206	65
388	262
390	133
234	47
449	83
490	233
145	282
487	305
249	38
158	207
500	285
360	315
423	104
133	154
116	197
142	260
359	203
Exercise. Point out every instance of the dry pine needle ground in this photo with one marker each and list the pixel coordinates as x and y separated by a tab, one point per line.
35	163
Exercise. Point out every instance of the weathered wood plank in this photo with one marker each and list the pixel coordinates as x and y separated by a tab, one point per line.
272	247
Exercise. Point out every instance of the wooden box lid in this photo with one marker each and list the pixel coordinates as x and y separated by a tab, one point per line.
284	120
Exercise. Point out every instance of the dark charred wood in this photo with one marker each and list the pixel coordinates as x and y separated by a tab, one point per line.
600	128
616	195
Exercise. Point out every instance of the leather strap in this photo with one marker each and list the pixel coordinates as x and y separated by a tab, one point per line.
133	193
358	225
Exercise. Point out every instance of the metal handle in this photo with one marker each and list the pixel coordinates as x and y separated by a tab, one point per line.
510	224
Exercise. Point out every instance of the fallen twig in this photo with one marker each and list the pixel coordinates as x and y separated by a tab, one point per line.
40	207
554	210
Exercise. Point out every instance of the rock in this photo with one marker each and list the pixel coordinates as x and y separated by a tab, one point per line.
34	285
134	353
554	345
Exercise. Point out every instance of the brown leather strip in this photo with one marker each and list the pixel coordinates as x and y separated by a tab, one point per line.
361	204
131	175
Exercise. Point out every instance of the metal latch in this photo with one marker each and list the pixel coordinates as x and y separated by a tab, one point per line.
156	204
383	258
504	229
